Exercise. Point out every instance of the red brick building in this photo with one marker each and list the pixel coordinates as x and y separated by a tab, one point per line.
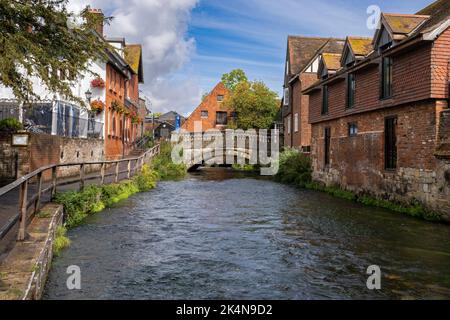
302	62
381	123
211	112
124	72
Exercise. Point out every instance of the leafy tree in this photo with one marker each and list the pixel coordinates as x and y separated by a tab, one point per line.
232	79
255	104
41	38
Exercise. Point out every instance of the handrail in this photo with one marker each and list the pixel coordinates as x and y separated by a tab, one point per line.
25	203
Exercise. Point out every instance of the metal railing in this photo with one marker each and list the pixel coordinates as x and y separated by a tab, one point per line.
28	206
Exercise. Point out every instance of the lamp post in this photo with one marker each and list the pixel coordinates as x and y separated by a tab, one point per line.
88	95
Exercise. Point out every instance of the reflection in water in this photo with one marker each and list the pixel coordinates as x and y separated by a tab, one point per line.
222	235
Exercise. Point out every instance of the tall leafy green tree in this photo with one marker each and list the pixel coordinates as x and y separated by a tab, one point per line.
232	79
255	104
38	38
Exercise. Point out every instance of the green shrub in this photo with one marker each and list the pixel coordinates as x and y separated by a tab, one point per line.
61	241
10	125
147	179
80	204
164	166
295	169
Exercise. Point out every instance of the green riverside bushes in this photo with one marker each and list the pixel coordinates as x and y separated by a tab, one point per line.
92	199
165	167
295	169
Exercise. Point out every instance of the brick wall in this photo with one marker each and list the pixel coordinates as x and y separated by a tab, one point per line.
357	163
412	81
211	105
296	110
44	150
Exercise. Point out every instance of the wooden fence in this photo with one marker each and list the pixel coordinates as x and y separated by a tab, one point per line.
28	206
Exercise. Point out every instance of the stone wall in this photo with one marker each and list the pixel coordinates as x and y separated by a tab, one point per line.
357	163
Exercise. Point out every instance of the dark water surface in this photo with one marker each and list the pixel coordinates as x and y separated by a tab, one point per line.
218	235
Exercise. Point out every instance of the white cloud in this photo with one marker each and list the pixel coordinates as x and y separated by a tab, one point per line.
160	26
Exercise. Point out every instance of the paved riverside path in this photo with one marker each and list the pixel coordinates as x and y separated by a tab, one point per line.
9	202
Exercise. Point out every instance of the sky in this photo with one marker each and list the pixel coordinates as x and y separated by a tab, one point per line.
189	44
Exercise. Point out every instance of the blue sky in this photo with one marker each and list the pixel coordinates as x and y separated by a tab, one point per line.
252	34
189	44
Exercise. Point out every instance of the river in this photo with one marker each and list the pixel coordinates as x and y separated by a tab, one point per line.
223	235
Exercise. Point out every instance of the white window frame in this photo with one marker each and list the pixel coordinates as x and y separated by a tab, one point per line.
296	122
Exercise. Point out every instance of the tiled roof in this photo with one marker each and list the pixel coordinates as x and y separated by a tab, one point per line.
403	24
332	61
439	11
133	55
303	49
360	46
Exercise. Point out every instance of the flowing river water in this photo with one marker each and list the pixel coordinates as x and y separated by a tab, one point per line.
223	235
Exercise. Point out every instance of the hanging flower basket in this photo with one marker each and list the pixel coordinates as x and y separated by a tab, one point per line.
97	106
136	119
118	107
98	83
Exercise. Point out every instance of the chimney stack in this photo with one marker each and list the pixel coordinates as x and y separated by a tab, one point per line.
98	18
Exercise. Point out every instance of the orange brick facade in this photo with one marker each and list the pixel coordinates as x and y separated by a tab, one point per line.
206	112
419	104
115	92
120	131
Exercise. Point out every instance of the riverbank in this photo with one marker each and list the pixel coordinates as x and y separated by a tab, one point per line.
78	205
220	234
296	170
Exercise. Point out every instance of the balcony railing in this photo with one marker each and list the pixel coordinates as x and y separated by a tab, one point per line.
55	118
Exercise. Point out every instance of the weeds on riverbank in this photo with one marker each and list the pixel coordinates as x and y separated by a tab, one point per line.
93	199
414	209
61	241
164	165
295	169
245	167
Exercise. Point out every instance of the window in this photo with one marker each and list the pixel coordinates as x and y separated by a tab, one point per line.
296	122
386	78
289	120
327	146
220	98
325	100
204	114
286	97
351	88
221	118
352	129
390	143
